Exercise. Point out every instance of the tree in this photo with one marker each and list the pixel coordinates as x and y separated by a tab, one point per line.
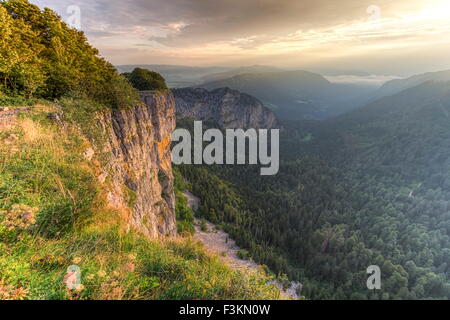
42	55
143	79
20	65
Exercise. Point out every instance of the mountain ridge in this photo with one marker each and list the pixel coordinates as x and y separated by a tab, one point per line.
295	95
229	108
395	86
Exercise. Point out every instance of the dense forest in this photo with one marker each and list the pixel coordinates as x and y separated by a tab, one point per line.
368	188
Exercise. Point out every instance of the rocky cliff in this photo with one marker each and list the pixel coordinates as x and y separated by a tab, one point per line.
139	169
229	108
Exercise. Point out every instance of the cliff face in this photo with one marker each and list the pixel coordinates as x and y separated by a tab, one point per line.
229	108
140	170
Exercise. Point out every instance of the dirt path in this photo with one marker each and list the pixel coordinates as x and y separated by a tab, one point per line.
193	201
219	242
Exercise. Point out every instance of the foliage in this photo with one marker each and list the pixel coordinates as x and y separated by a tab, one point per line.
143	80
203	225
371	188
243	254
184	214
40	56
20	217
13	101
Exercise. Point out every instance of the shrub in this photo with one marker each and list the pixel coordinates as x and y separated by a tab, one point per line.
143	79
15	101
243	254
203	225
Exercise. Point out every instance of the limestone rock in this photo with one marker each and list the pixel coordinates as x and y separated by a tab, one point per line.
140	167
229	108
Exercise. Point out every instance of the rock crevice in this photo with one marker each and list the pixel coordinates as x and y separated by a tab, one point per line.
228	108
139	168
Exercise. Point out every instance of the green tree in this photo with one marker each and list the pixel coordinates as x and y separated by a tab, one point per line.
143	79
42	55
20	64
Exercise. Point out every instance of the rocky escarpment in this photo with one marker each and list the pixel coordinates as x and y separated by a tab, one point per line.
226	107
139	170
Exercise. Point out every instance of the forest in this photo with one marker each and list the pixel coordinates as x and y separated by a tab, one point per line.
368	188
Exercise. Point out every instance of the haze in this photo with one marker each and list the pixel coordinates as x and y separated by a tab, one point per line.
389	37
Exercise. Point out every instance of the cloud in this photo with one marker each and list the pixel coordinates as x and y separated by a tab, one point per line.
371	80
258	31
182	23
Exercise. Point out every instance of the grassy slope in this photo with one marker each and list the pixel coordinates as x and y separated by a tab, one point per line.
42	167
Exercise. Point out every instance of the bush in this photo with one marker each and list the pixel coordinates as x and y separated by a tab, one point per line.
203	226
15	101
184	214
143	80
243	254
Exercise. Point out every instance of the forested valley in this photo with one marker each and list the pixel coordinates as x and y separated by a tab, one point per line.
368	188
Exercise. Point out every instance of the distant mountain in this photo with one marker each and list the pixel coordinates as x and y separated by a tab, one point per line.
406	133
395	86
239	71
177	76
341	72
295	95
226	107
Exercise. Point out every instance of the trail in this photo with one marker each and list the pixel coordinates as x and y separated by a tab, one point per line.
220	243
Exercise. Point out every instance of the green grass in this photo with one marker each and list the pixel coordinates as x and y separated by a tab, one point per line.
42	167
12	101
125	266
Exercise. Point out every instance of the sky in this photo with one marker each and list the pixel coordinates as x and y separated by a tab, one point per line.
388	37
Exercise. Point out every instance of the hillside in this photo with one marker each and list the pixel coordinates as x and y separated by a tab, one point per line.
404	134
63	204
186	76
370	187
238	71
396	86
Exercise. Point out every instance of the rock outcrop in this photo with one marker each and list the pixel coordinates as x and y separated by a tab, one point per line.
228	108
140	170
7	115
